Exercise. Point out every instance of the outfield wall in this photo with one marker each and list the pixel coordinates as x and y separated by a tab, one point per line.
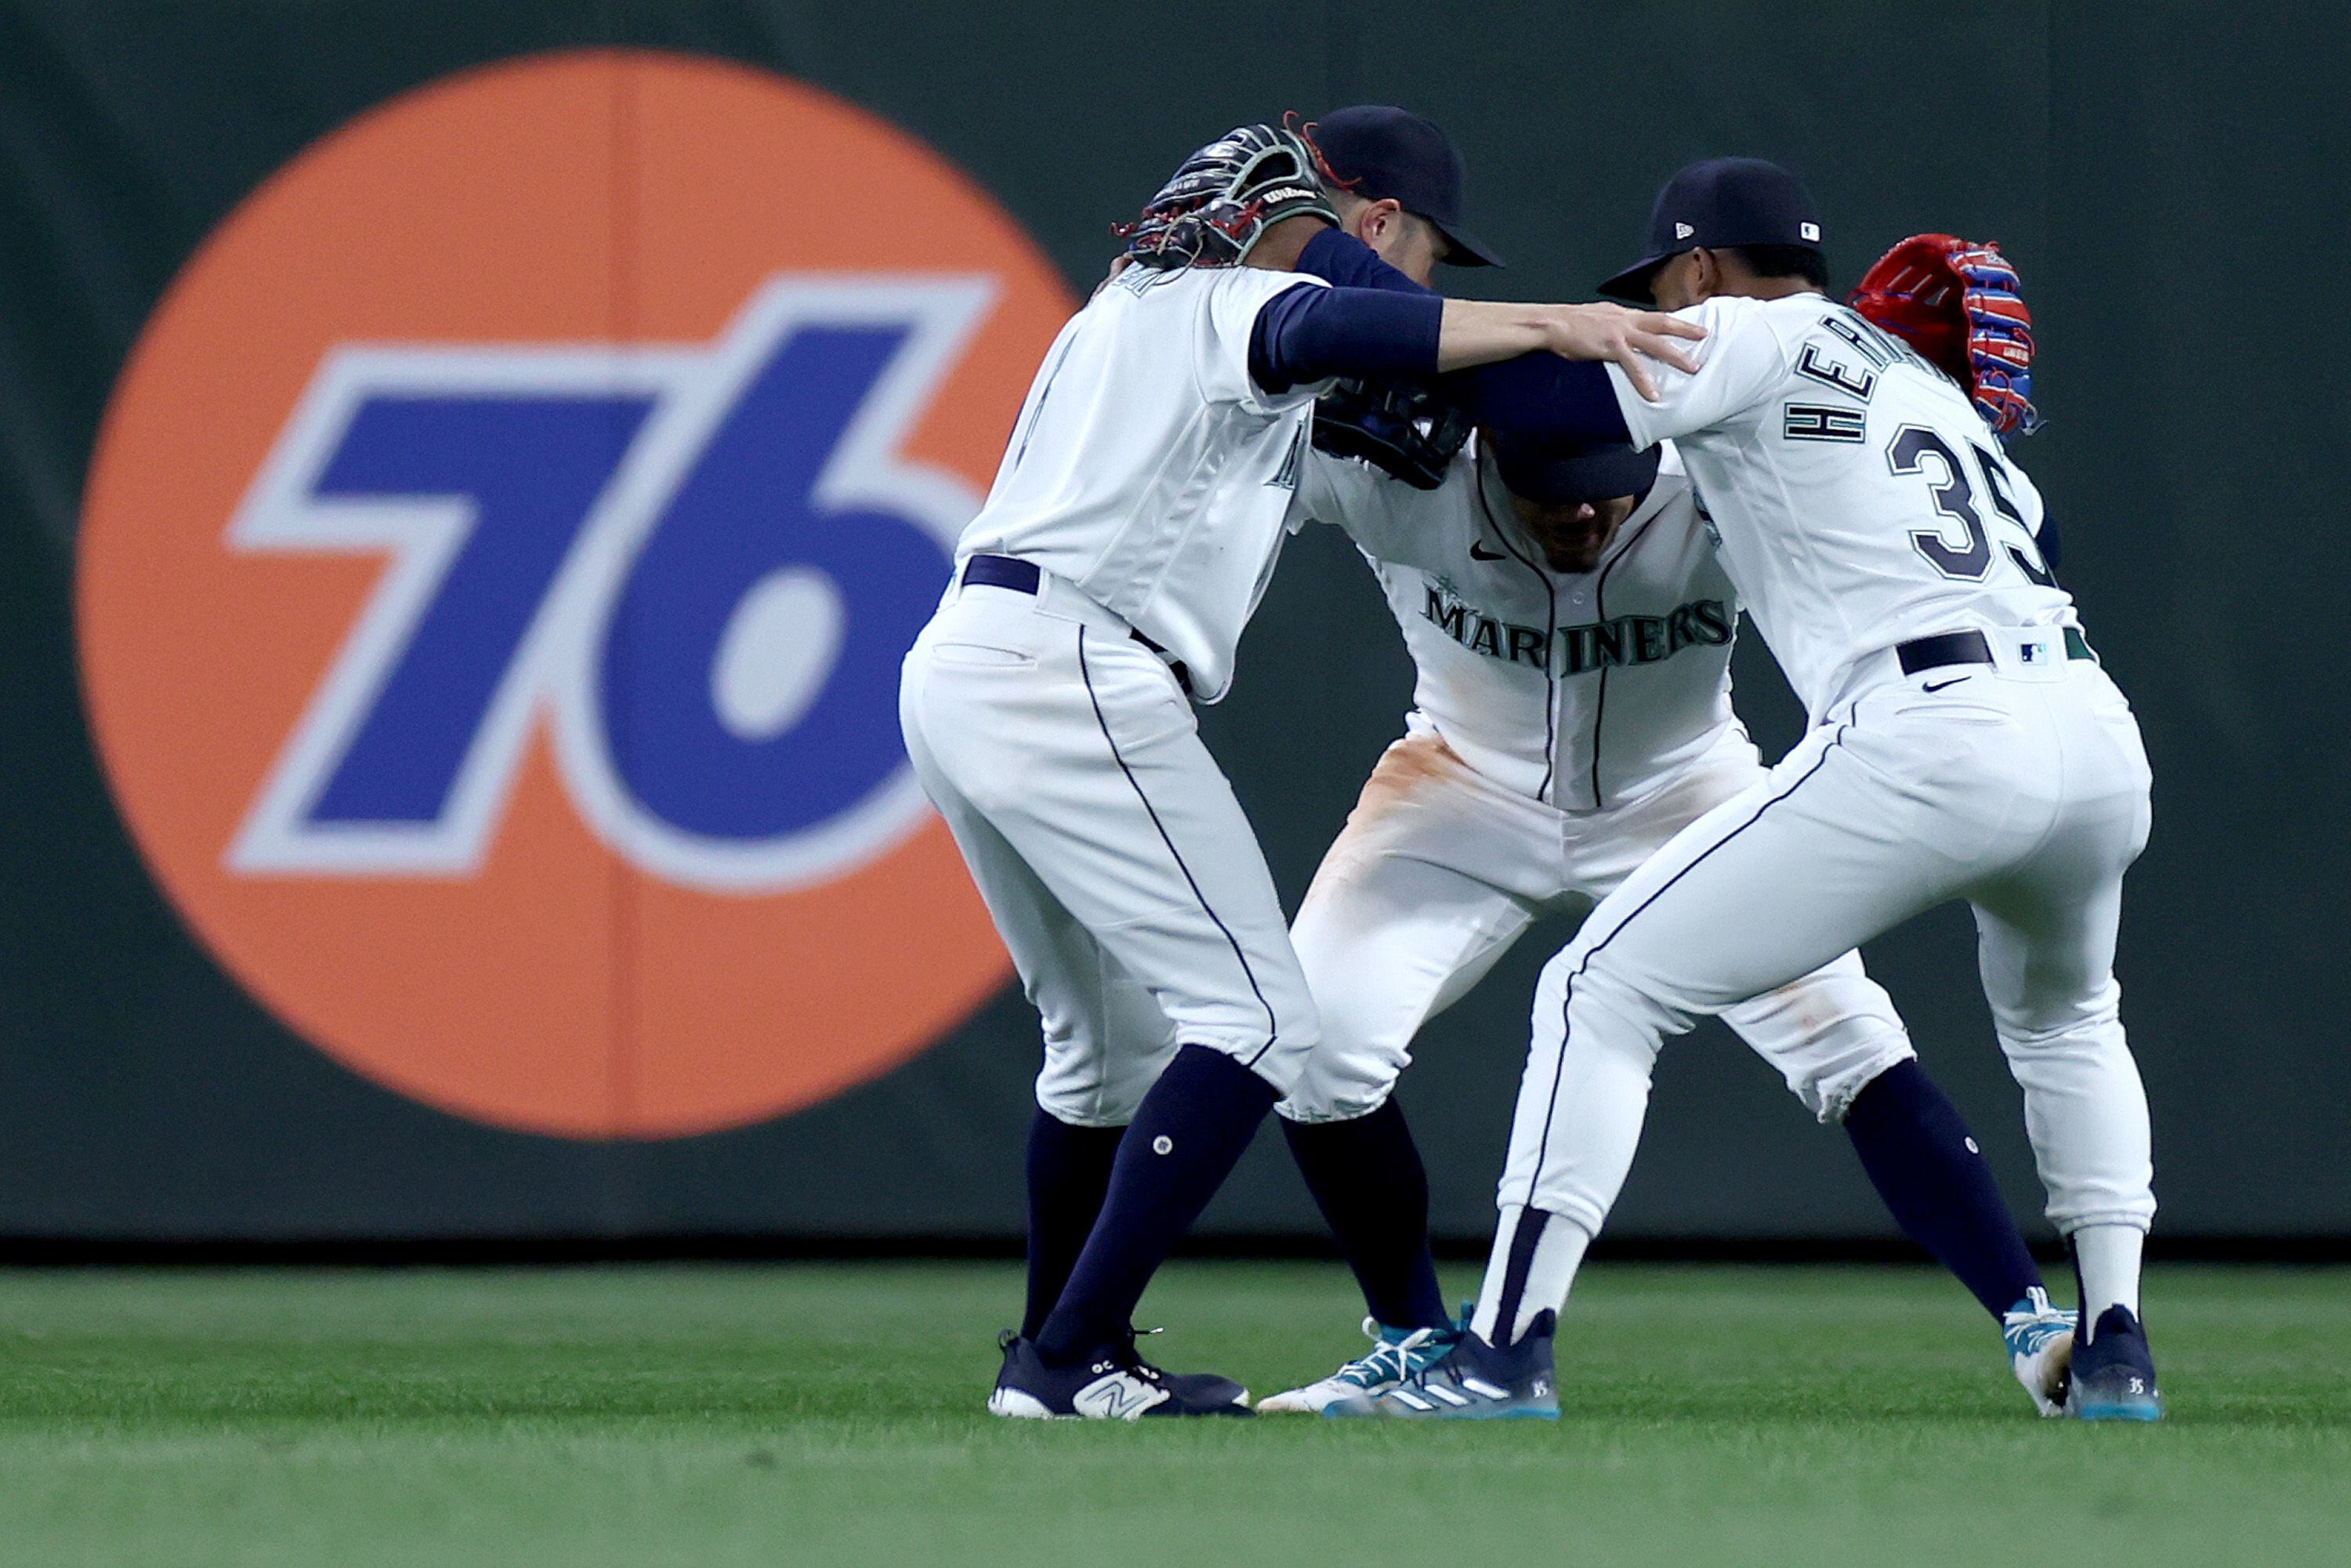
577	892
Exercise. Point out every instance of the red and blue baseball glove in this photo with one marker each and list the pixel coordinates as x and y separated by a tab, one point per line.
1960	304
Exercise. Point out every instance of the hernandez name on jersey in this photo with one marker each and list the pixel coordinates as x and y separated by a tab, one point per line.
1837	560
1517	663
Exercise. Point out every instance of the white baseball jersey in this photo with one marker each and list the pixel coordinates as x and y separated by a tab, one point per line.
1582	690
1837	558
1147	478
1148	469
1567	724
1859	504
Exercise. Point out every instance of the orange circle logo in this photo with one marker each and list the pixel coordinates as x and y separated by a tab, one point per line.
496	565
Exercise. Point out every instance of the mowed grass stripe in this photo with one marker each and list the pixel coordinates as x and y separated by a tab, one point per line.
824	1414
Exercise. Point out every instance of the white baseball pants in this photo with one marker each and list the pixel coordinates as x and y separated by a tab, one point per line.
2023	790
1439	872
1107	843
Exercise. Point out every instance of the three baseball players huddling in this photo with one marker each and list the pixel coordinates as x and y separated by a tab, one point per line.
1965	744
1129	534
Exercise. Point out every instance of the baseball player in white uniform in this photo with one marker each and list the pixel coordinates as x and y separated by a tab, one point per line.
1571	713
1129	533
1965	744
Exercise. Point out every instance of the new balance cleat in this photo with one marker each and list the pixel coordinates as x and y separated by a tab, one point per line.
1114	1384
2039	1339
1474	1381
2113	1371
1396	1355
1202	1387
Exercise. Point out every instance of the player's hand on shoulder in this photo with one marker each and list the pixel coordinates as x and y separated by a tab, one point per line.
1622	335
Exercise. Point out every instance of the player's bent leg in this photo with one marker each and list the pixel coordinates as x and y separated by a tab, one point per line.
1836	1037
2085	1107
1436	873
1085	763
1829	1035
1384	947
1094	1076
1104	1038
1703	925
1202	928
1391	933
2046	966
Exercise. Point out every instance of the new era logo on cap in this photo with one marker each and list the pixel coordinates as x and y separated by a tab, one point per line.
1683	231
1811	232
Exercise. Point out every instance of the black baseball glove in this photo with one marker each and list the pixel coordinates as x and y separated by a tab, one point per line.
1214	207
1405	428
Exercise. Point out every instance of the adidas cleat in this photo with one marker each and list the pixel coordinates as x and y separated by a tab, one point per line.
2113	1371
1396	1355
1474	1381
1114	1384
2039	1339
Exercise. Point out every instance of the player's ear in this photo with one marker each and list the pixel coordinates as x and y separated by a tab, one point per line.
1378	218
1707	279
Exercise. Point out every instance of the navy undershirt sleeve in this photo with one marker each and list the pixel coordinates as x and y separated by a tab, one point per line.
1534	400
1308	333
1339	258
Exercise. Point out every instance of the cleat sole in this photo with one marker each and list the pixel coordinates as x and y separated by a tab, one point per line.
2119	1410
1019	1407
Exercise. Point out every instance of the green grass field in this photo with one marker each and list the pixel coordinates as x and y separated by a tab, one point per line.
819	1415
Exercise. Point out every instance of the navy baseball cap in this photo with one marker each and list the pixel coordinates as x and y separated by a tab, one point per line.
1384	153
1590	473
1721	202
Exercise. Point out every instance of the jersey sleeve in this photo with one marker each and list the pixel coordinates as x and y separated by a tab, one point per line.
1388	518
1739	363
1227	320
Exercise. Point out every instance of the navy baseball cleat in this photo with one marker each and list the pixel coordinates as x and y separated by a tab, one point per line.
2113	1371
1201	1387
1473	1382
1114	1384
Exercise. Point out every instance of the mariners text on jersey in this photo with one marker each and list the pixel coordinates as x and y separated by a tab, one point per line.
1515	662
1595	645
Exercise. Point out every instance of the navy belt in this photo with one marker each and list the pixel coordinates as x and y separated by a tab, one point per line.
1003	571
1970	648
1023	576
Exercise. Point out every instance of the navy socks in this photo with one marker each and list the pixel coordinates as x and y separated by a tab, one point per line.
1189	1134
1367	1179
1924	1164
1069	1172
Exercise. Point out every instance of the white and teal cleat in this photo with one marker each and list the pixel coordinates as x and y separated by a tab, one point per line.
2039	1339
1472	1382
1396	1355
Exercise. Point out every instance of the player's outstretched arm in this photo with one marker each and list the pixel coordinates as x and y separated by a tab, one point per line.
1310	334
1479	332
1483	334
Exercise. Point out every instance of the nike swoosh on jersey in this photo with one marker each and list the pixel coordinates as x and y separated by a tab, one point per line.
1479	552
